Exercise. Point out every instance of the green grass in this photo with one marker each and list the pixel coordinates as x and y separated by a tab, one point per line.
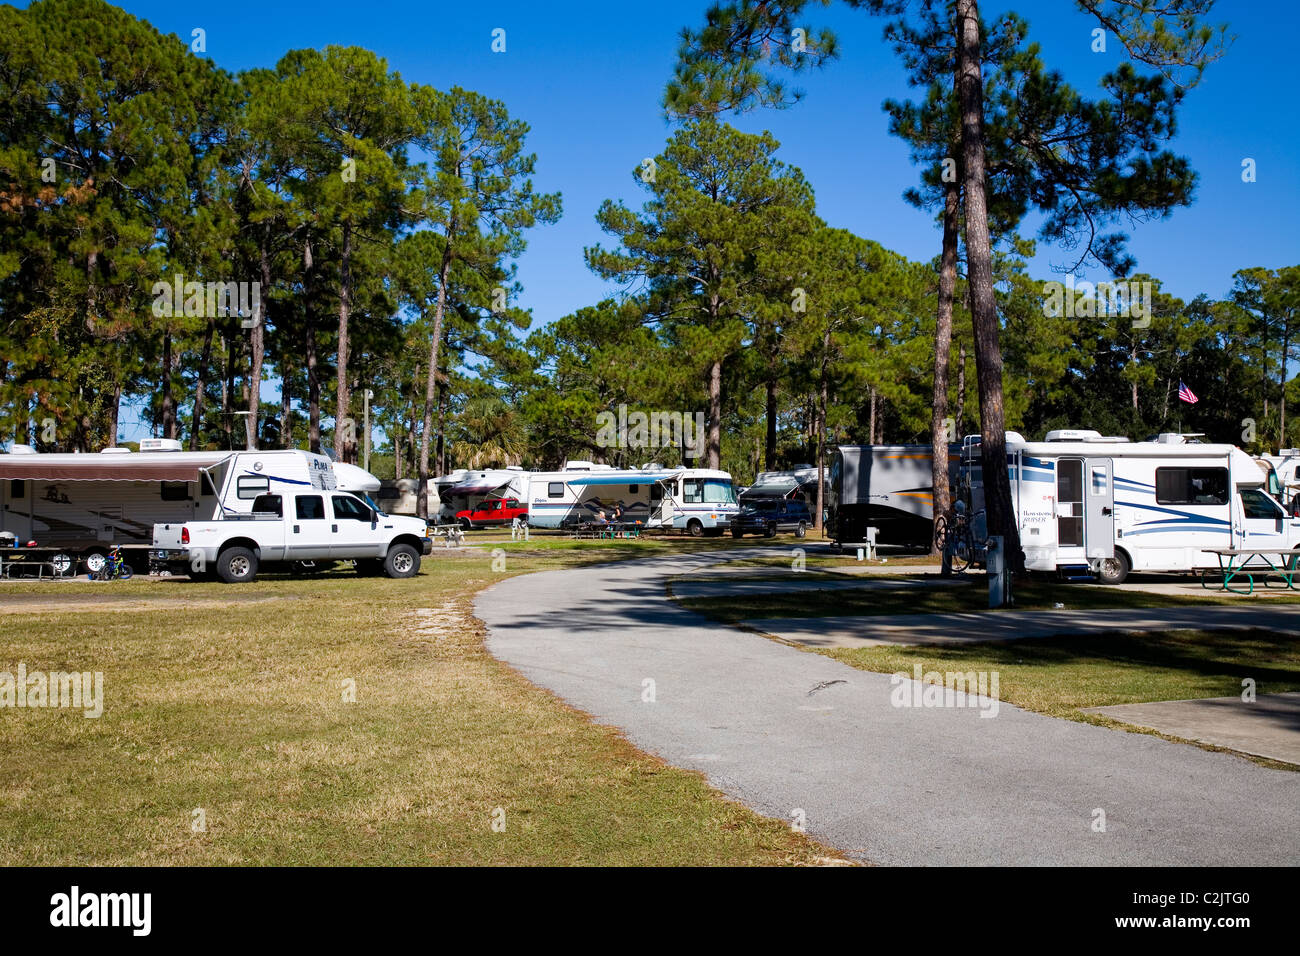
970	595
230	699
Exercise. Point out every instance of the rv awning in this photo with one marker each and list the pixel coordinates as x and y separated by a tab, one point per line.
616	479
478	487
95	468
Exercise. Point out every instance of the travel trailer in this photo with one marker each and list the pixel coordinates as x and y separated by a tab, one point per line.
886	487
797	482
85	504
696	501
474	487
1113	506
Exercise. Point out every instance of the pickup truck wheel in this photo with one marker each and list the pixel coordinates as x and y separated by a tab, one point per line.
737	531
237	565
403	561
466	525
770	530
801	531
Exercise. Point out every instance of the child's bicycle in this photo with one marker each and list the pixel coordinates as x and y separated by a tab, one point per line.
114	568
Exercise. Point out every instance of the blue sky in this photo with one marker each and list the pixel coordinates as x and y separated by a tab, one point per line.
588	77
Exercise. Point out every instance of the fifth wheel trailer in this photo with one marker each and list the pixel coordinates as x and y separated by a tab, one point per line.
886	487
85	504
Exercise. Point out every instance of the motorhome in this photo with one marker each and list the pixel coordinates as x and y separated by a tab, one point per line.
889	488
1283	471
1111	506
83	504
696	501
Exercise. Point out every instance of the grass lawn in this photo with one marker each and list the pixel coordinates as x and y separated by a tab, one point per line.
1061	675
971	595
231	699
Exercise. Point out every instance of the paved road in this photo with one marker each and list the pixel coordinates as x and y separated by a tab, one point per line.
887	784
968	627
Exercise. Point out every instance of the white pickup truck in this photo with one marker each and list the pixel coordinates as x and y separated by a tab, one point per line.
311	526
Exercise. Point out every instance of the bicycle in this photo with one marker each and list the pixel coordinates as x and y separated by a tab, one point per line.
954	535
114	568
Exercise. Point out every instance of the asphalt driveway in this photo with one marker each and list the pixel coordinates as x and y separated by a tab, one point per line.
803	738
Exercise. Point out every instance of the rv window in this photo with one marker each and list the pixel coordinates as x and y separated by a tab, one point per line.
1191	486
1100	484
250	486
555	489
17	488
311	507
693	490
1256	504
175	491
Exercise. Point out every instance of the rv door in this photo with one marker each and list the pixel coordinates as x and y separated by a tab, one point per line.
1099	519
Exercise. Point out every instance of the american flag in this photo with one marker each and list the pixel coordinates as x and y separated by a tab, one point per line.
1185	394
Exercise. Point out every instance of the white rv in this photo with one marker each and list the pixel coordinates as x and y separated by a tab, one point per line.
1115	506
1284	471
693	500
85	504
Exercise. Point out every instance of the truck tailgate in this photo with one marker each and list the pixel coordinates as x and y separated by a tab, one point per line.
167	535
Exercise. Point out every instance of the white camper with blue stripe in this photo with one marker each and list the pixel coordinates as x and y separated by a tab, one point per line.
1111	506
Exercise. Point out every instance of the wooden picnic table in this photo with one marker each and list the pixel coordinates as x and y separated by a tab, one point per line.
1235	563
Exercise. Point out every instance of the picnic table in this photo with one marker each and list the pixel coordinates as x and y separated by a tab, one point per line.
453	535
51	561
1235	563
607	529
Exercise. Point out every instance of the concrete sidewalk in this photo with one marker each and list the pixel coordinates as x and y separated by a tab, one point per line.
800	736
1269	726
1007	625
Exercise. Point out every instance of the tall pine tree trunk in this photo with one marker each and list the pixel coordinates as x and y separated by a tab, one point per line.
979	271
201	387
714	452
961	390
431	382
943	353
769	457
168	400
286	409
257	345
313	377
823	401
345	436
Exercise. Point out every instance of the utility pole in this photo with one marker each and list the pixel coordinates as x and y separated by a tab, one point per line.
365	415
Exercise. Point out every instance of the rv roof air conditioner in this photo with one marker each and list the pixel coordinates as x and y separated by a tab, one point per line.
115	450
159	444
1073	434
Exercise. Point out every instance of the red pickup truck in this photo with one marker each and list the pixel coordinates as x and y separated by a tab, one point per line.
491	513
